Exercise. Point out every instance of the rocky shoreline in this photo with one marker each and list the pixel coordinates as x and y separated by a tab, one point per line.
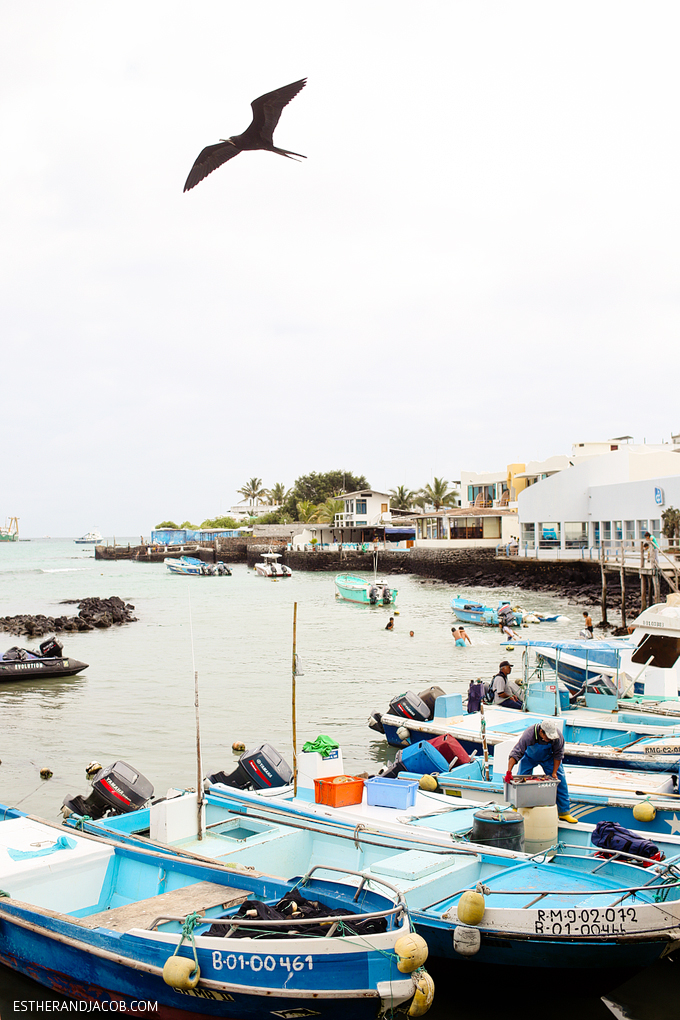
580	581
93	613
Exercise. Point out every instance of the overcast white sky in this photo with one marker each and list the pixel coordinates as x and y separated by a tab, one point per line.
477	263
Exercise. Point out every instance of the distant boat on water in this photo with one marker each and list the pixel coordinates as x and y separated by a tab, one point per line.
10	532
91	538
192	565
270	567
359	589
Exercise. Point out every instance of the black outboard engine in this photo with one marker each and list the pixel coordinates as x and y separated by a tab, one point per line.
387	596
373	594
116	790
260	769
51	649
375	722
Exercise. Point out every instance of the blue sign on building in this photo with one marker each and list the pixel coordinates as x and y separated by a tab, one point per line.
659	497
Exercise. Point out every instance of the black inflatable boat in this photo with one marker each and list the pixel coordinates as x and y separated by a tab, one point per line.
45	664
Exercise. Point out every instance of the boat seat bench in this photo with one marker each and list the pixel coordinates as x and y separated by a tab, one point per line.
199	897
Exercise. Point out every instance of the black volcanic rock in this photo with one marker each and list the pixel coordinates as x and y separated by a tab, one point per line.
93	612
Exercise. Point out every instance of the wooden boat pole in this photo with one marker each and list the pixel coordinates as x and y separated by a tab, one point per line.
295	771
604	583
635	793
199	763
487	774
622	575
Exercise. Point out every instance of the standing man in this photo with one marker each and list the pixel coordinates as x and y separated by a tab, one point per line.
653	547
587	625
543	744
505	692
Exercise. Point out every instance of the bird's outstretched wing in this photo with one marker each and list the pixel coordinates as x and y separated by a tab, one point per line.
208	160
267	110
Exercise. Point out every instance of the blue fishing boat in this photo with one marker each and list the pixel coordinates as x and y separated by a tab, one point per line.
562	909
190	565
644	666
368	593
468	611
645	801
593	736
124	925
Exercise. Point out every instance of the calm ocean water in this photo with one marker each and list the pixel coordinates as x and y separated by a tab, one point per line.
136	699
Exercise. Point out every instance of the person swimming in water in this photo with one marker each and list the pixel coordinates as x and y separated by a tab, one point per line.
460	637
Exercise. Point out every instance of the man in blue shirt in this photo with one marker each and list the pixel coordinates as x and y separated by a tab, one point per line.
543	744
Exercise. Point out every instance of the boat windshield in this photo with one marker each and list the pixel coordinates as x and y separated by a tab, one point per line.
663	649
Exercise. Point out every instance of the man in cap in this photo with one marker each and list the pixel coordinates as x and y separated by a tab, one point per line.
543	744
505	692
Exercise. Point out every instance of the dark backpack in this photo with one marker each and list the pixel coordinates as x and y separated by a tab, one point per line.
489	692
476	692
612	836
479	692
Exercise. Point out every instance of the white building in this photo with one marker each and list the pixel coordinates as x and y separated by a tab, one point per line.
363	509
366	520
465	527
245	509
608	499
502	488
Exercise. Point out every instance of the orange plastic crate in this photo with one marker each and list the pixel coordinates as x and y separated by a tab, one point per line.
338	791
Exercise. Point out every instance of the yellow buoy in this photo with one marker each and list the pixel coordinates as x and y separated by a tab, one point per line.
471	907
181	972
423	995
396	612
412	952
509	648
238	745
428	783
644	811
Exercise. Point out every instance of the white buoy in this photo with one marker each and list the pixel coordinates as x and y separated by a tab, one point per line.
466	940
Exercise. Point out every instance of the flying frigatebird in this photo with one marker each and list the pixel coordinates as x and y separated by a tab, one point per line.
258	135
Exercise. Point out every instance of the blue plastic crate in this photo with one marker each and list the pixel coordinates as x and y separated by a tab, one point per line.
423	758
395	793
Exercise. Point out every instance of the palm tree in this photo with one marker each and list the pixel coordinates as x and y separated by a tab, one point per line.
306	511
325	512
253	491
401	498
438	494
278	494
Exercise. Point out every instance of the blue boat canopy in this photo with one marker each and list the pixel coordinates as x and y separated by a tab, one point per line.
401	531
576	646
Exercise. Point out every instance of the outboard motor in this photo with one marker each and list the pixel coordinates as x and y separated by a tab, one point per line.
373	595
51	649
116	789
375	722
260	769
506	615
387	596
